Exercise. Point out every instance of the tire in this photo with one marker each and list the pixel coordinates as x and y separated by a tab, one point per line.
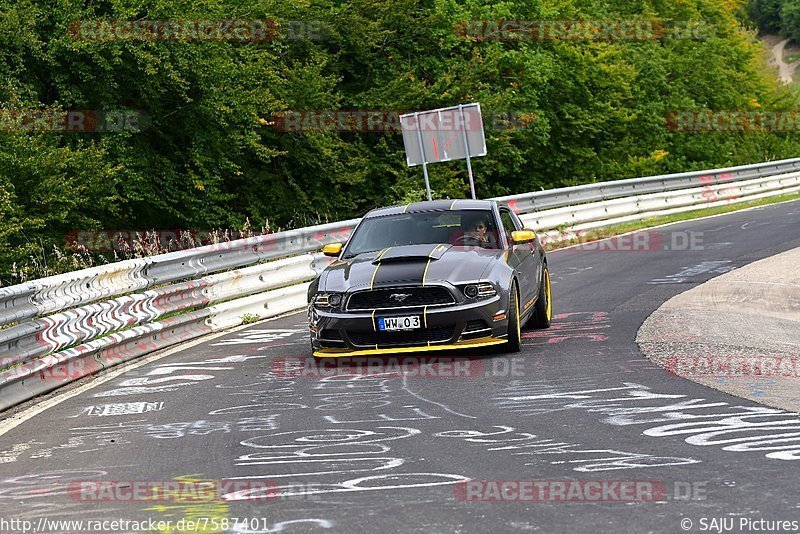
514	327
543	310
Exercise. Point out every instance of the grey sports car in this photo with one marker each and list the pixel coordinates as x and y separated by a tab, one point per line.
427	276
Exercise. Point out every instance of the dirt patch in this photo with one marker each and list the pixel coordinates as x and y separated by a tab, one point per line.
771	39
785	55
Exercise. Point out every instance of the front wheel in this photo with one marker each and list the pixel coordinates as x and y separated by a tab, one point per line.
543	311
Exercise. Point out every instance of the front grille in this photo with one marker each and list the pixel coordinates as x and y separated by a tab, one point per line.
416	296
408	337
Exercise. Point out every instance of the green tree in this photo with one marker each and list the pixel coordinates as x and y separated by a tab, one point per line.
767	14
211	157
790	20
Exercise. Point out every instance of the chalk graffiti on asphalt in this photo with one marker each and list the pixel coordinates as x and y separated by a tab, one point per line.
700	422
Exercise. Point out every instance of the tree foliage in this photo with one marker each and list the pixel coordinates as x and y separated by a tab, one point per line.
210	158
781	16
790	20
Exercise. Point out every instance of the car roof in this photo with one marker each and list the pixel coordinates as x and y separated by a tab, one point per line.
433	205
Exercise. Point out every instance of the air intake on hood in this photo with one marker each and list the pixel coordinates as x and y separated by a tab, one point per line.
412	252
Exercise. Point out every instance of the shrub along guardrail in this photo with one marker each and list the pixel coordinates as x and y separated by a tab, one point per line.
71	325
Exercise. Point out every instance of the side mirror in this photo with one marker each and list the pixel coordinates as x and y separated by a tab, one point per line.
333	250
523	236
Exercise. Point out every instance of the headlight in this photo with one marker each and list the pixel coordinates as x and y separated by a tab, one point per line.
328	300
479	290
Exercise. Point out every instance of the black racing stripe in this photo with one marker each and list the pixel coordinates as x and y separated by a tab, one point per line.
400	271
405	271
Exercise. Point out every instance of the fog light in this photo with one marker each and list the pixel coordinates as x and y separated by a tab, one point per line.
471	291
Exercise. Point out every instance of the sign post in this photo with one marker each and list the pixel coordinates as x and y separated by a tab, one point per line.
424	163
441	135
466	143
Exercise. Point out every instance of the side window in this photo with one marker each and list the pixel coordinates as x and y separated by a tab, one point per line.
519	224
508	222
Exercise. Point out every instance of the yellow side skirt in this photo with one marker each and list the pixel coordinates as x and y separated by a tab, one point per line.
338	353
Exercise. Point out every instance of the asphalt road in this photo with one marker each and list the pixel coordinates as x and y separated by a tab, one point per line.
389	453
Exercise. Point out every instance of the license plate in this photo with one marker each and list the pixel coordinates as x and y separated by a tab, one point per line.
390	324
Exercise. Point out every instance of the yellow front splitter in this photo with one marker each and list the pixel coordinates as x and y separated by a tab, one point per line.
472	343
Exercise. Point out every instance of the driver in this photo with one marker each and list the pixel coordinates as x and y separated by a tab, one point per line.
479	229
479	232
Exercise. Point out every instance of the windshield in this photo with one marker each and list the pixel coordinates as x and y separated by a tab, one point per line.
468	228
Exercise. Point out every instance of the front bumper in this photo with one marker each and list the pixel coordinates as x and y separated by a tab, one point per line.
483	342
460	325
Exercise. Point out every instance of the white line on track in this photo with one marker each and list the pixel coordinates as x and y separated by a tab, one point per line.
17	419
442	406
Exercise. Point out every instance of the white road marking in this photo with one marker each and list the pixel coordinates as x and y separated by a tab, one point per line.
15	420
122	408
442	406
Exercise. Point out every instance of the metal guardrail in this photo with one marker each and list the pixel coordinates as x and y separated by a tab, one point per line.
55	293
609	212
75	324
598	192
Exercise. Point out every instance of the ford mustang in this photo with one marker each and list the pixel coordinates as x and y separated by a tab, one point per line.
437	275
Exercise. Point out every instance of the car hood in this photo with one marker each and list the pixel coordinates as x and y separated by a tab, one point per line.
409	264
